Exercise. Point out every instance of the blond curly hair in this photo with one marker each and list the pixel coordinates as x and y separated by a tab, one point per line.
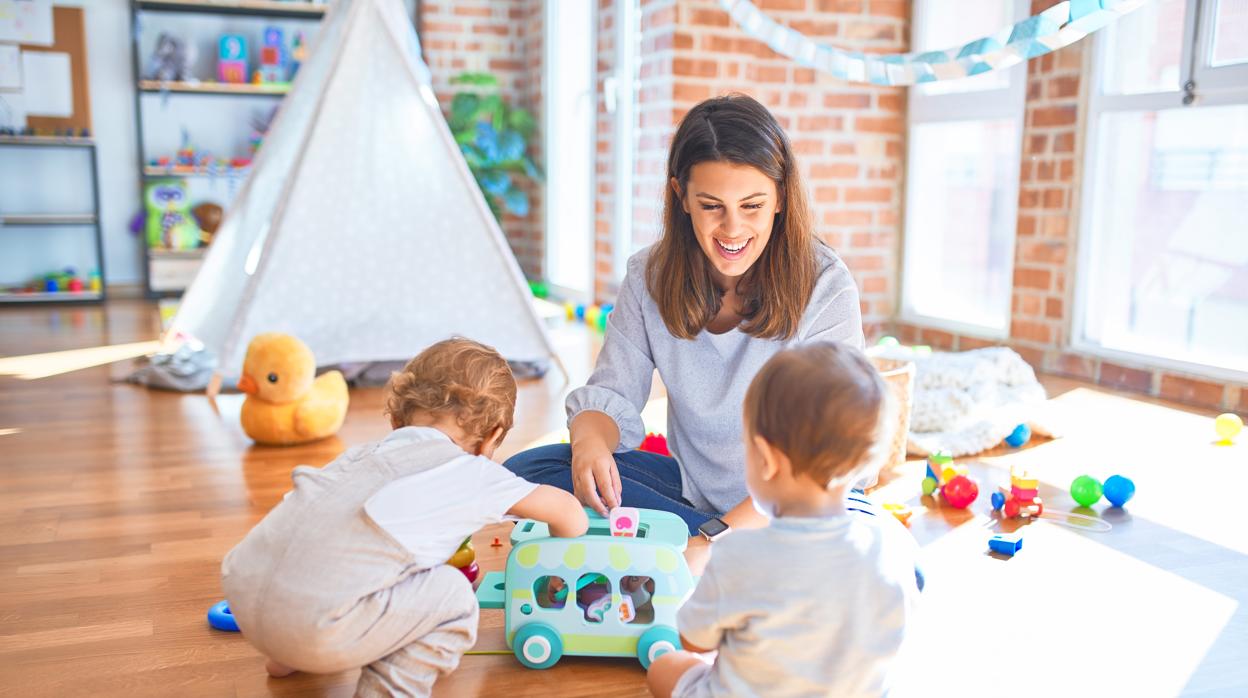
460	378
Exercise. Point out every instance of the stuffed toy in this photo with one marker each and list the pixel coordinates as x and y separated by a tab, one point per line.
170	223
287	403
171	60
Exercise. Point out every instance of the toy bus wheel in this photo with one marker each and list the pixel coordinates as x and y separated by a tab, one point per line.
656	642
537	646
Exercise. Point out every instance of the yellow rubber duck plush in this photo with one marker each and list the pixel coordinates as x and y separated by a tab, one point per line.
287	403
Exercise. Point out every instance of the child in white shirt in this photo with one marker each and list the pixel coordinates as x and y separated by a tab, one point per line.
816	603
348	571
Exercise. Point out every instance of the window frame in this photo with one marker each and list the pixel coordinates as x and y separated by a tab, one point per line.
1211	87
1007	102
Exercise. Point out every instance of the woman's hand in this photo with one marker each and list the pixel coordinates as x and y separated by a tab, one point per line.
697	554
595	476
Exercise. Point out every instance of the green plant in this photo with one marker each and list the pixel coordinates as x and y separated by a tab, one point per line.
494	138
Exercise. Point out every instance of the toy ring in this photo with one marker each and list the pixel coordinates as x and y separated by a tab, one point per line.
220	617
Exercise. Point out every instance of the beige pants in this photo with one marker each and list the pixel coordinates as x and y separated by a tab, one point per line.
404	637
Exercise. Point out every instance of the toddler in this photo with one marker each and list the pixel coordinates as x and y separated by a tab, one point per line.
348	570
816	603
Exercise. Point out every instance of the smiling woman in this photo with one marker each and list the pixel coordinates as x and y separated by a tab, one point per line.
737	276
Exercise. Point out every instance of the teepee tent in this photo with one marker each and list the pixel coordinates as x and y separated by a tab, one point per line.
360	230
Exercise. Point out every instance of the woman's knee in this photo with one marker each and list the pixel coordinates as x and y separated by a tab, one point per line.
536	460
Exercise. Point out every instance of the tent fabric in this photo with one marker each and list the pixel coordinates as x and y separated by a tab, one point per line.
361	230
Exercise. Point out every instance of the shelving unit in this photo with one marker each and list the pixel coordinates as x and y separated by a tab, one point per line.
30	220
168	272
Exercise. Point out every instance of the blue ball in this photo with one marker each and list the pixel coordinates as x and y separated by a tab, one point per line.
1020	436
998	501
221	618
1119	490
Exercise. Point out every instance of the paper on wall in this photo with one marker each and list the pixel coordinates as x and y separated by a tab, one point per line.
10	67
49	85
26	22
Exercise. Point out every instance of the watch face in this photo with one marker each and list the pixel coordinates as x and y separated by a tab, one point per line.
713	528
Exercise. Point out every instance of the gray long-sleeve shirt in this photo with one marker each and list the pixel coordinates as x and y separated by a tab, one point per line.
706	377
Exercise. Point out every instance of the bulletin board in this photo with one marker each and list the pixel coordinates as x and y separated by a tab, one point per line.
66	54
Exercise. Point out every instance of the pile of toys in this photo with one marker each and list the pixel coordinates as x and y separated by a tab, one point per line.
593	315
277	65
465	560
65	281
1021	498
191	160
951	481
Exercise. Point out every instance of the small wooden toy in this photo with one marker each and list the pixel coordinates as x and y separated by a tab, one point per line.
1021	498
941	472
272	57
232	59
624	521
900	511
1006	543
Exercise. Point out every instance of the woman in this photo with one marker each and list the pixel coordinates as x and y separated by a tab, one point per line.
737	275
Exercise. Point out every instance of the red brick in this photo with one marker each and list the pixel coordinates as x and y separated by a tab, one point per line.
937	339
869	124
1054	198
815	28
494	29
847	100
1028	305
1116	376
1053	116
1066	170
1064	143
966	343
887	217
1026	170
866	262
1192	391
844	149
803	76
874	284
822	122
907	333
1028	198
890	102
470	11
1243	400
1076	365
1028	330
709	18
1036	144
834	170
682	40
890	8
1025	277
844	6
1043	251
1054	226
506	64
827	195
690	91
873	194
783	5
846	218
1045	170
1053	308
694	68
797	99
442	28
766	73
1064	86
1033	356
808	146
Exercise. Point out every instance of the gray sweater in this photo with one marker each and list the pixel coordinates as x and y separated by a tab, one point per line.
706	377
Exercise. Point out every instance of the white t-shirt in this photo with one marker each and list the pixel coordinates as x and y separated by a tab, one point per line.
431	512
804	607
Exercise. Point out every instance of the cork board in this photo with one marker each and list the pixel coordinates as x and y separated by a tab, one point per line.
69	36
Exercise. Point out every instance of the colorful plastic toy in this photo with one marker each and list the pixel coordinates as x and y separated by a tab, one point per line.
220	617
655	443
899	511
1022	498
1006	543
1119	490
273	59
598	595
624	521
941	473
1086	490
591	315
465	560
1228	426
1019	437
232	59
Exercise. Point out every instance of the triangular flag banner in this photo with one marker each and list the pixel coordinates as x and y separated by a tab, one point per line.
1060	25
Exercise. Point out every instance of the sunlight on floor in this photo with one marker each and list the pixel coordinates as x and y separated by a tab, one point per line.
35	366
9	432
1123	612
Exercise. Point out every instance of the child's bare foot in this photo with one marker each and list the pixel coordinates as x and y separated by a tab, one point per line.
276	670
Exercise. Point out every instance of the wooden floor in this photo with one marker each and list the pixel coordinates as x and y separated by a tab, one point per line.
117	504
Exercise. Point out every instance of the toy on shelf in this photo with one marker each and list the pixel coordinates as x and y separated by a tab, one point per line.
899	511
465	560
208	215
170	61
1019	437
540	289
273	61
232	59
1022	498
655	443
626	590
1227	426
950	480
1119	490
1006	543
170	224
1086	490
66	280
220	617
287	403
298	54
591	315
188	161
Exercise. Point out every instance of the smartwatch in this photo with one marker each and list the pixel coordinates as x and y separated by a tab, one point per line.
713	528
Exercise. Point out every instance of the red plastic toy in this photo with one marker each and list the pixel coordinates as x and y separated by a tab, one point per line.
960	491
655	443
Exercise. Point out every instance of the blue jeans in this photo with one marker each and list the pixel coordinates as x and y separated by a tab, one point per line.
650	481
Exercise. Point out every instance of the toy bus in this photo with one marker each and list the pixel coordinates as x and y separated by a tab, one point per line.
599	595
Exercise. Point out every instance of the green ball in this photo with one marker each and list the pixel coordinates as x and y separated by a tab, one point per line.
1086	490
887	341
929	485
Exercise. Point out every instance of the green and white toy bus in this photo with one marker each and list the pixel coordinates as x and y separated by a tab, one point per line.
600	595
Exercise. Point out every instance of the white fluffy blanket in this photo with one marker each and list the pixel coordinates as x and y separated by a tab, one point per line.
968	402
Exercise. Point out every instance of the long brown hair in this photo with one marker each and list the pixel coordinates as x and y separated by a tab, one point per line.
736	129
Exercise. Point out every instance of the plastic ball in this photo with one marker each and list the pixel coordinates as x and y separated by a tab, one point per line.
1011	508
591	315
580	312
961	491
1228	426
929	485
464	556
1119	490
1086	490
998	501
887	341
471	572
1020	436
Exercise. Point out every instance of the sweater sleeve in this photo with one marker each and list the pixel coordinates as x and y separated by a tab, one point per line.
620	383
839	315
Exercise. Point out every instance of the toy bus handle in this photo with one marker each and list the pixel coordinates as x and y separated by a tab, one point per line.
625	521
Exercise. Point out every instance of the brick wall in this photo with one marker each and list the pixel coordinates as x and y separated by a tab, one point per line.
505	39
1044	262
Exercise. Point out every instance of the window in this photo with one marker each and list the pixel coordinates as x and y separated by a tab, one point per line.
593	596
965	140
637	599
569	144
1163	267
550	592
620	96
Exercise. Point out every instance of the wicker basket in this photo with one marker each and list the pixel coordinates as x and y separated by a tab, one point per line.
899	375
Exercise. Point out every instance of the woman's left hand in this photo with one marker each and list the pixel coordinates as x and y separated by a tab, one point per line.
697	554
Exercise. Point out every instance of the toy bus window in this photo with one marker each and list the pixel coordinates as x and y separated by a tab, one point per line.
593	596
606	532
637	605
550	592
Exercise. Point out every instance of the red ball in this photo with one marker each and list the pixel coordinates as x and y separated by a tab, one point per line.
1011	508
471	572
960	491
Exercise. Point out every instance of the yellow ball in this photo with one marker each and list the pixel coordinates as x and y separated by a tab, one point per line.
1228	425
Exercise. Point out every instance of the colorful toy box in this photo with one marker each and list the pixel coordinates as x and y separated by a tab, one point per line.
232	59
600	595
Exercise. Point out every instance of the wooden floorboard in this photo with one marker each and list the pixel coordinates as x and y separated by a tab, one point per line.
117	504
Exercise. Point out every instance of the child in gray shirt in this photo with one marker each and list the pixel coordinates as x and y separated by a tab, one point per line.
817	603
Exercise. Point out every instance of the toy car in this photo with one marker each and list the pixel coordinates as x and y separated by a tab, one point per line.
598	595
